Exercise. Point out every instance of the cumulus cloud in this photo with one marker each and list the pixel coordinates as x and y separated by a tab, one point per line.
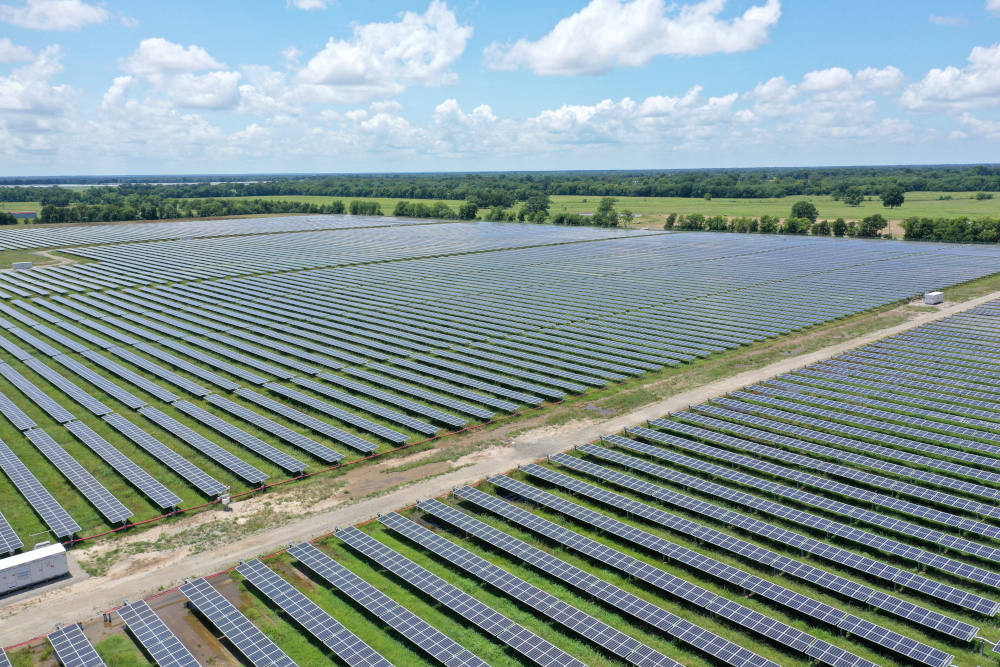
630	33
14	53
993	5
212	90
53	14
976	85
382	59
159	56
35	112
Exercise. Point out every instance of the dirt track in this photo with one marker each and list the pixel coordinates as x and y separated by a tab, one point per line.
21	620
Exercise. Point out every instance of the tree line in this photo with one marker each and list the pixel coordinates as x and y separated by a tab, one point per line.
135	207
489	190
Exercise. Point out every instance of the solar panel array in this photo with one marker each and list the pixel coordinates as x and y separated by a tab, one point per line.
73	649
245	637
154	635
214	362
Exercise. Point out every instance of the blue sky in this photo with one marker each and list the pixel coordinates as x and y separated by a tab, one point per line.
137	86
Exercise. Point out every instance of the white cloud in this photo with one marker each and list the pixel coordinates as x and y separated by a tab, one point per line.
630	33
157	56
976	85
213	90
14	53
53	14
993	5
949	21
988	129
383	59
35	113
309	5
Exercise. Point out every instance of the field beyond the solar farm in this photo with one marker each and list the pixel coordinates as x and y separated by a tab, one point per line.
844	513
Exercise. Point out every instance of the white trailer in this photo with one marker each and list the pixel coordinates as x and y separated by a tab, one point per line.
31	568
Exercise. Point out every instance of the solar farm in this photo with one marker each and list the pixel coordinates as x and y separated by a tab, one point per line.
842	514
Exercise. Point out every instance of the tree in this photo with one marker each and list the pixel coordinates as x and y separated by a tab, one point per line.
626	217
768	224
853	196
893	196
708	196
796	226
671	219
805	209
871	227
467	211
821	228
692	221
606	216
839	227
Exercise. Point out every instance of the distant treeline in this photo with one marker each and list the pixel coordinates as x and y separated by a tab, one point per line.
868	228
489	190
967	230
155	208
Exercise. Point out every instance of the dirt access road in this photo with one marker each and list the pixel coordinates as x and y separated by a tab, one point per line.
143	574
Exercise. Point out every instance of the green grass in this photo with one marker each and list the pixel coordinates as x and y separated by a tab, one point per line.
118	650
12	206
917	203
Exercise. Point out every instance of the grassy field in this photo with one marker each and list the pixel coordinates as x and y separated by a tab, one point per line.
921	204
20	206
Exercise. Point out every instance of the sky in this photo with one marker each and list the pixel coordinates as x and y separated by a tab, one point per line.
268	86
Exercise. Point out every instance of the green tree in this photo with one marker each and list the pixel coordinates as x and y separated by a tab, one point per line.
805	209
821	228
671	219
839	227
893	196
796	226
872	226
626	217
853	196
606	216
467	210
708	196
768	224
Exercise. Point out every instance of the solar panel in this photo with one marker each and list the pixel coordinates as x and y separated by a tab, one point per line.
4	660
338	413
373	408
53	514
173	378
411	627
154	636
251	643
124	466
130	376
99	381
180	465
438	399
649	613
73	649
778	594
95	493
223	457
9	541
326	629
467	606
193	369
68	387
615	641
773	533
37	396
794	568
240	436
308	421
295	438
15	415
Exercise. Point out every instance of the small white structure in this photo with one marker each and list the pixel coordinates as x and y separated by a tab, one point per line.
934	298
22	265
24	570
